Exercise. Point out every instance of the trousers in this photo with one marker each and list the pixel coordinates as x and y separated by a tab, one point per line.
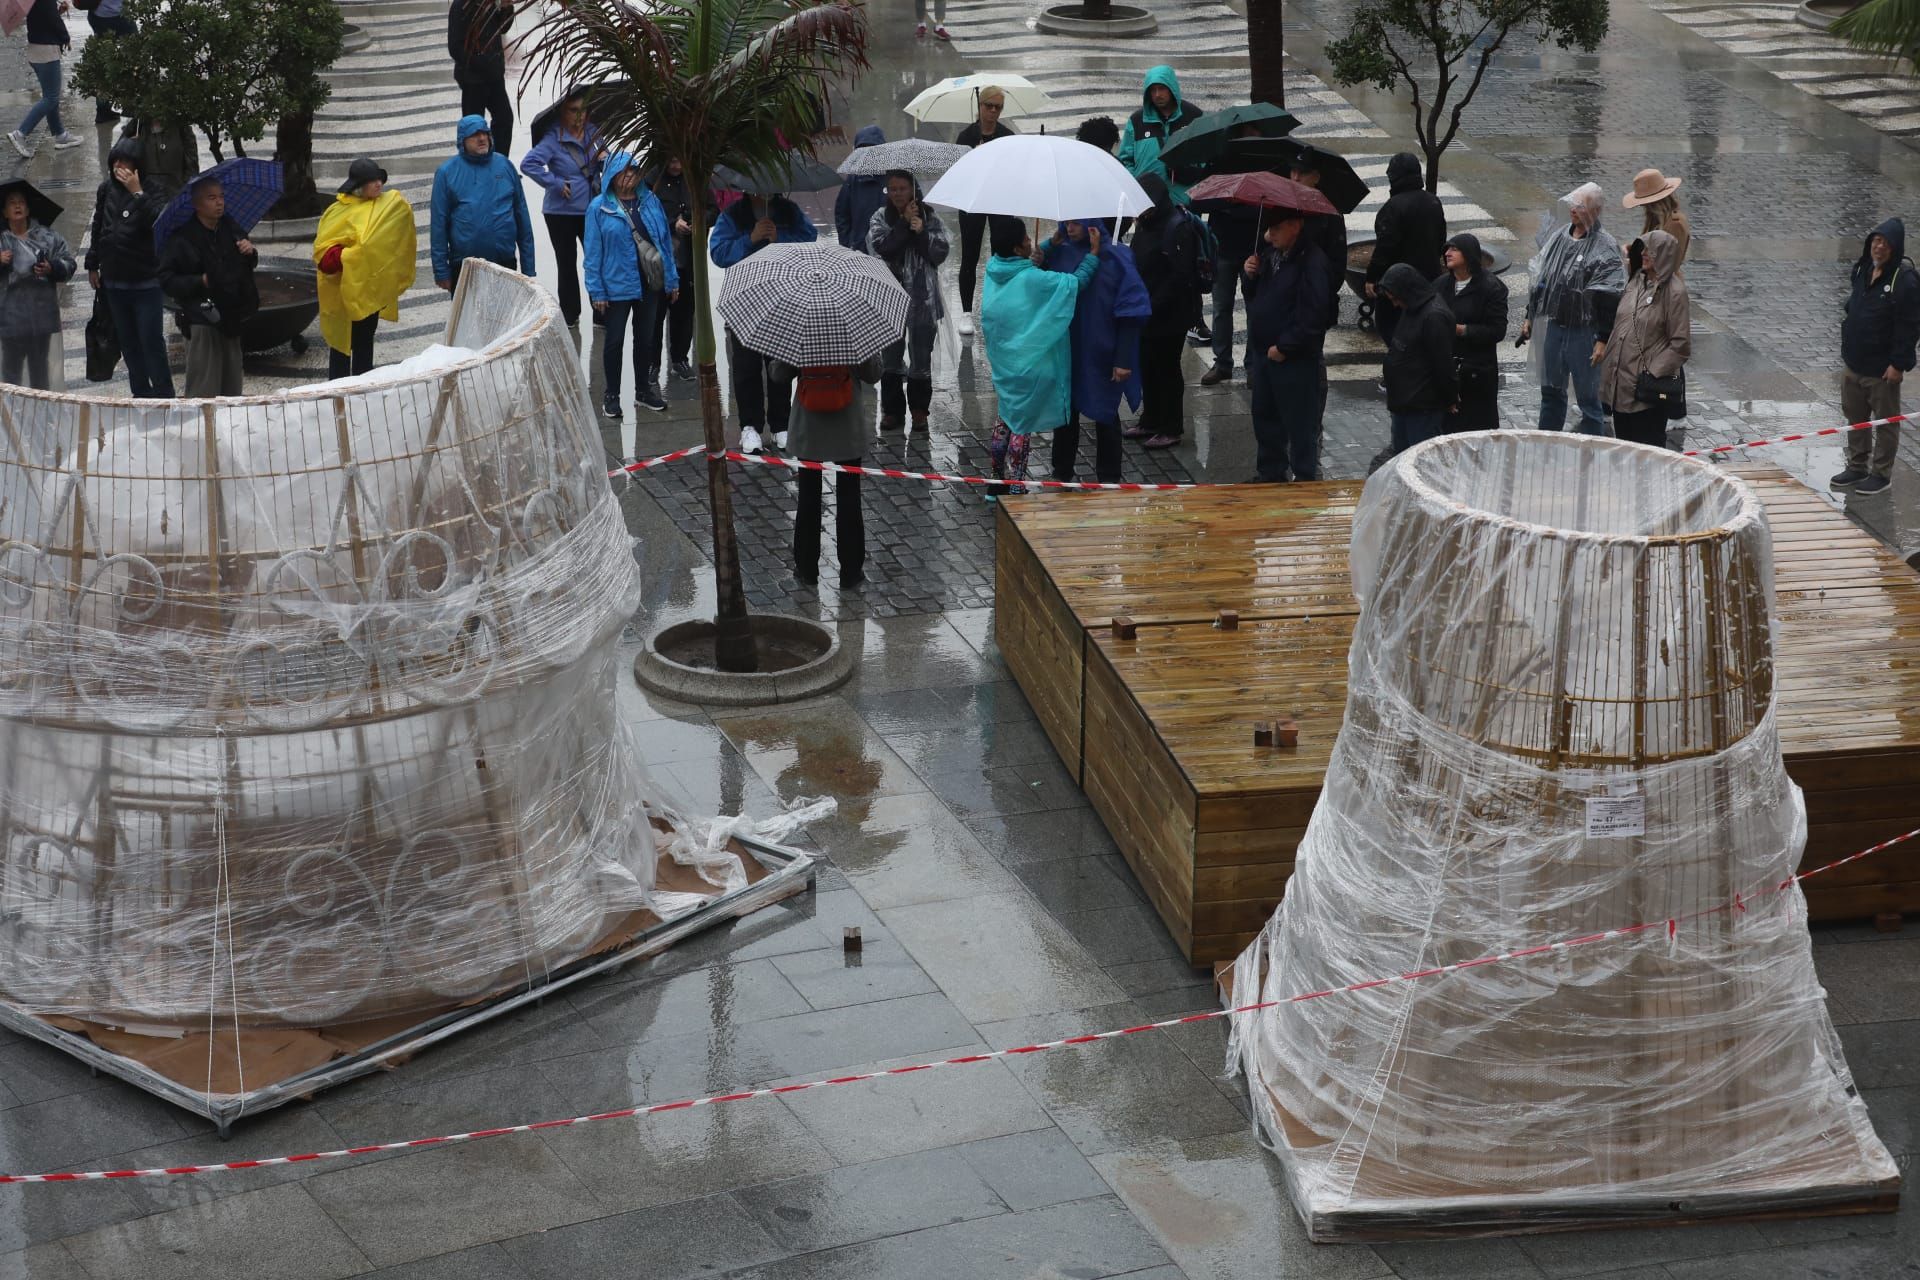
342	364
1163	386
213	363
1107	451
28	355
137	321
1567	354
1287	417
907	378
645	313
1872	449
849	524
488	96
764	401
568	231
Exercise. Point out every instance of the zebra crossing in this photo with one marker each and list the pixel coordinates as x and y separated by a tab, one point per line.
1869	86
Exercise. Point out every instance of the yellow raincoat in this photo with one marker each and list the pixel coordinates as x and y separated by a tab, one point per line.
376	263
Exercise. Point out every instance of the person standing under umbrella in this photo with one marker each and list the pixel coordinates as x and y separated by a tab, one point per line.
366	252
123	266
912	241
1411	227
860	197
34	262
1287	316
749	225
567	164
1107	320
1163	112
1477	300
479	209
47	39
208	266
476	41
621	225
828	432
1166	247
1236	237
675	327
989	127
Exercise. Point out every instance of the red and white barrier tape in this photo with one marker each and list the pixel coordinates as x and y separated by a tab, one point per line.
938	477
1740	903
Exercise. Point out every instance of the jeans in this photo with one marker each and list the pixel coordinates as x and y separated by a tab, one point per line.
1286	418
107	28
30	354
1163	386
1870	449
1226	278
849	524
907	380
973	228
213	362
343	364
762	400
646	370
488	96
137	315
1107	451
567	231
1568	353
1409	429
48	108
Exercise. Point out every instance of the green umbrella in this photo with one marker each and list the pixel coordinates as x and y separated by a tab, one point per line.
1203	141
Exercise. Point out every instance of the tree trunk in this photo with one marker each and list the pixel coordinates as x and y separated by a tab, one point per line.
293	148
733	647
1266	51
1099	10
1433	152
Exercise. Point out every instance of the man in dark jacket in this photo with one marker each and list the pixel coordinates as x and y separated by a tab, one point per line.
476	40
1877	341
1287	318
676	319
208	266
1411	227
1167	249
859	198
1419	374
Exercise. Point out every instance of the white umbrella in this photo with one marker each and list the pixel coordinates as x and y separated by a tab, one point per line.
918	156
1031	175
956	100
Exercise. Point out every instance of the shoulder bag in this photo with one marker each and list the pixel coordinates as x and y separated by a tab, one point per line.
653	268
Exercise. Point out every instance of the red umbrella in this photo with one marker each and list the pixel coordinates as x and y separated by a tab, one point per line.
1267	190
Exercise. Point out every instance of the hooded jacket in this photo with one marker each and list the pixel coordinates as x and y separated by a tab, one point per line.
1652	327
1147	132
859	198
203	269
613	263
1479	303
30	304
1411	226
379	256
914	259
1166	249
1289	302
1419	372
479	209
1025	317
732	237
120	242
1882	322
561	162
1107	321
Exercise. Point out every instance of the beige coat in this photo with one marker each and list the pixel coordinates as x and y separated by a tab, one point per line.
1653	329
1677	227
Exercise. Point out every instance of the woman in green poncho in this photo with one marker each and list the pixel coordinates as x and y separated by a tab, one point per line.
1026	317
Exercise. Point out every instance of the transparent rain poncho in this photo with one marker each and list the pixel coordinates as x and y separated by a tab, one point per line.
1560	720
1569	270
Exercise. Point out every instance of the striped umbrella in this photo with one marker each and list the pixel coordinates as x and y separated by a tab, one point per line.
813	304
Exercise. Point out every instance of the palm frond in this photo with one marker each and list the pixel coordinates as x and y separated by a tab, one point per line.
1884	26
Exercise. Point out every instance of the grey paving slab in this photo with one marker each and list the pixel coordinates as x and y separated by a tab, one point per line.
652	1070
450	1198
868	1201
274	1233
918	652
1033	1169
290	1129
482	1262
8	1098
34	1215
34	1072
688	1003
1040	837
699	1237
1122	935
1833	1260
1588	1253
42	1262
1877	983
1444	1259
995	788
504	1095
1094	883
65	1131
902	850
817	748
1085	1240
920	1111
1896	1118
828	1038
1000	956
832	977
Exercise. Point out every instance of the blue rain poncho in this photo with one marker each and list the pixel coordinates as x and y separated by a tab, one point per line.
1026	317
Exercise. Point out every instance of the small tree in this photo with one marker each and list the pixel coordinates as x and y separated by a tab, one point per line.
1266	51
707	82
231	68
1885	26
1428	45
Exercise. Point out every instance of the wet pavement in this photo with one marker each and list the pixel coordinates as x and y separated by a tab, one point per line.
994	905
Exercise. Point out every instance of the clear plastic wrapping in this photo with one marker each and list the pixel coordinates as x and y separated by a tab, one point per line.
307	702
1559	720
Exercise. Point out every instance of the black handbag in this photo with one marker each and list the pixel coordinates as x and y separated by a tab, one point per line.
1666	394
103	341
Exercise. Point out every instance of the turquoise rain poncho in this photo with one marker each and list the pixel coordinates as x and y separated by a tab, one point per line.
1026	317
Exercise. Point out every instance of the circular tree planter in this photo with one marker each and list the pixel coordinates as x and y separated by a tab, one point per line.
1110	20
799	658
1822	14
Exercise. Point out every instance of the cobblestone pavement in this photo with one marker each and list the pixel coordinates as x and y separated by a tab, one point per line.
995	907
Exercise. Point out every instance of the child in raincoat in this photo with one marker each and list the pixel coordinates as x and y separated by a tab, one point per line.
365	250
1026	317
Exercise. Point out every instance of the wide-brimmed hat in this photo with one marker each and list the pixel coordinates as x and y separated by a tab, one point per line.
1649	185
360	173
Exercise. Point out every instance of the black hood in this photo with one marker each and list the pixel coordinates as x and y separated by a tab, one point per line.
1156	188
1403	172
1469	246
1896	233
1408	286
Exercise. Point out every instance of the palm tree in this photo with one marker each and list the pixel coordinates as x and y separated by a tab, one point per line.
736	82
1885	26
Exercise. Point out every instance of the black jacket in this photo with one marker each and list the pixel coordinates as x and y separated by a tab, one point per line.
970	136
1287	302
1166	250
677	201
1419	373
229	297
1883	316
120	243
1328	234
45	26
476	31
1411	227
1479	303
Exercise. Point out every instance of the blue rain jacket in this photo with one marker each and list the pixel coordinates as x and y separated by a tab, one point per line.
859	198
1026	317
731	239
613	264
1106	326
562	161
479	209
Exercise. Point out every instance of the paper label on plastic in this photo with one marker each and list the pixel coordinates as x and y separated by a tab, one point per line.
1616	815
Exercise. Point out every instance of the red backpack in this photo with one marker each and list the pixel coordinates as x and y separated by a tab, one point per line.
826	388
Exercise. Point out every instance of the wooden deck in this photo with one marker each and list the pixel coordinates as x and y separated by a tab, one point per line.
1158	729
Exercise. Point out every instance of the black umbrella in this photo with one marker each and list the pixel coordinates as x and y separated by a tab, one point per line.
1338	182
39	208
1203	141
784	177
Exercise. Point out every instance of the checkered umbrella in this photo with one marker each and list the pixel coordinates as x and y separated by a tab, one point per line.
813	304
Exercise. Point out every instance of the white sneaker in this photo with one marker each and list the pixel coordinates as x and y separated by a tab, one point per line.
780	441
62	141
966	320
920	29
749	440
20	143
941	32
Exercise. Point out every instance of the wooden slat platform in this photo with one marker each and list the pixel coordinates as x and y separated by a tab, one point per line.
1158	729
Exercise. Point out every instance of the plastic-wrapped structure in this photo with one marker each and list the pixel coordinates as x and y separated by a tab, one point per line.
1560	720
307	713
